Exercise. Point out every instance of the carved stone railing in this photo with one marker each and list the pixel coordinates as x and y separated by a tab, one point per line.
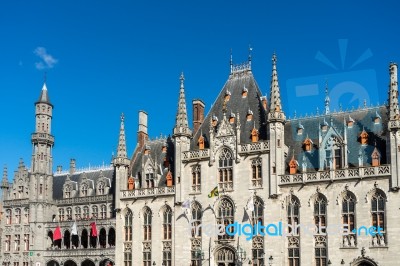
108	222
196	155
42	137
83	253
79	200
254	147
15	202
331	175
147	192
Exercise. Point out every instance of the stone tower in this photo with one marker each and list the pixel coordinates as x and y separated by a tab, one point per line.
276	121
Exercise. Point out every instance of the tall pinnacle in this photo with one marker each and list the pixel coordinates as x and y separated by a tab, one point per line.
275	108
44	96
182	125
4	182
393	93
327	99
121	153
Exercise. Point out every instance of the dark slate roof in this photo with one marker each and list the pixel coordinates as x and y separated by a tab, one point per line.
156	155
59	180
236	104
363	120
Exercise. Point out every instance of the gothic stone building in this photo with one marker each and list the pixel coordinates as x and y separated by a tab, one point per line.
243	163
38	201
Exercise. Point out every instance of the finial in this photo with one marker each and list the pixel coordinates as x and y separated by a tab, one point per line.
327	100
317	111
274	59
231	62
45	77
122	117
250	49
182	78
365	103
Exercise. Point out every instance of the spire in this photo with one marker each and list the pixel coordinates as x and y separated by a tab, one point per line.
121	152
231	62
44	96
327	99
393	93
275	109
182	125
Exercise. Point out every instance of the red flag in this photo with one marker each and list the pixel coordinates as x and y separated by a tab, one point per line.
94	229
57	233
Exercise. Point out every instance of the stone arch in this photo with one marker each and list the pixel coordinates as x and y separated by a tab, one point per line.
106	262
111	237
70	263
314	196
344	193
67	239
363	261
225	255
103	237
376	189
52	263
84	238
88	262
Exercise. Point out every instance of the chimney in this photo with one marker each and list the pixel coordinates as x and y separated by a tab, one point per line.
198	114
72	166
142	135
59	169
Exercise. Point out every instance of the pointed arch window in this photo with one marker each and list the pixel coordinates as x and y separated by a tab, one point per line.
86	212
78	213
320	214
334	153
225	215
8	216
61	214
69	213
84	190
128	225
67	192
147	217
225	170
103	212
95	211
196	178
26	215
149	177
378	212
18	216
293	217
101	188
167	223
196	219
349	219
258	241
256	168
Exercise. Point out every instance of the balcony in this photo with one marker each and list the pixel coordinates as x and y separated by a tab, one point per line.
42	138
254	147
196	155
79	200
147	192
16	202
332	175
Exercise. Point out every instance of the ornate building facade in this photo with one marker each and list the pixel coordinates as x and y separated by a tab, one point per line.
194	198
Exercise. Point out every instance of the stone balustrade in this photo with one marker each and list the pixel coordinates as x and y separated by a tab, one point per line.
147	192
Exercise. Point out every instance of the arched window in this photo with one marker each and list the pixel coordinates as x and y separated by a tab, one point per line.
95	211
196	219
61	214
111	237
101	188
256	172
225	170
69	213
78	213
128	225
257	216
349	219
86	212
320	234
225	215
8	216
85	238
167	223
103	238
196	178
67	239
84	190
147	216
17	216
150	177
103	212
147	224
26	215
293	216
378	212
67	191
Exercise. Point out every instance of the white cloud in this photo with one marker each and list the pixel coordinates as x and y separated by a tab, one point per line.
47	60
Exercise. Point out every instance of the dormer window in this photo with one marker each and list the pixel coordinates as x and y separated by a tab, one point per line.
164	148
149	178
264	102
377	118
214	121
254	135
244	92
84	190
307	144
300	129
131	183
324	126
147	150
249	115
364	137
201	143
350	122
293	165
227	95
169	179
376	157
232	118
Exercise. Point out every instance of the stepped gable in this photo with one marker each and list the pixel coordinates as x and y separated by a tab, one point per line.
363	119
59	180
161	161
234	88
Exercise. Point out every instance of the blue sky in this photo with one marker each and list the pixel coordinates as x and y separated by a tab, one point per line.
108	57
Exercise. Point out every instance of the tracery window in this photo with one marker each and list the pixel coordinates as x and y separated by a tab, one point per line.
128	225
167	223
225	170
349	219
256	172
225	215
147	224
196	178
378	213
